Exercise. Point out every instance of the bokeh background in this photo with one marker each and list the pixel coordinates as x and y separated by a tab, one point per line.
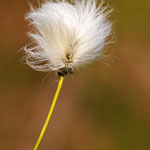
106	106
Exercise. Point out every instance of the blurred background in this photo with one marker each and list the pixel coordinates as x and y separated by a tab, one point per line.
103	107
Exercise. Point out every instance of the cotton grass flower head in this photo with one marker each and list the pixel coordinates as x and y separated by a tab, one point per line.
66	36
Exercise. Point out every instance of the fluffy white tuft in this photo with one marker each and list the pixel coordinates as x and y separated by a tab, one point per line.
66	36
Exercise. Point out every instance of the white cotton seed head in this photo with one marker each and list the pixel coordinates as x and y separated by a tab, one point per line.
66	36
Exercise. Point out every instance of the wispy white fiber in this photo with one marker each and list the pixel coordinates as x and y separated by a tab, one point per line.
65	36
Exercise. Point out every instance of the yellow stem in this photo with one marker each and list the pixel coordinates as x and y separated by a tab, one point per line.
50	113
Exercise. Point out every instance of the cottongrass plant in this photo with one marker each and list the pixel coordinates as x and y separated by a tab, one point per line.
65	37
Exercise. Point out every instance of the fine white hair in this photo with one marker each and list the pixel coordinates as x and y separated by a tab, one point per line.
66	36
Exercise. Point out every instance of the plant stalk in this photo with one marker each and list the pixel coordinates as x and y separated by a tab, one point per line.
50	113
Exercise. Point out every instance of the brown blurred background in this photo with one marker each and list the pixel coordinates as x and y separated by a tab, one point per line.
99	108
